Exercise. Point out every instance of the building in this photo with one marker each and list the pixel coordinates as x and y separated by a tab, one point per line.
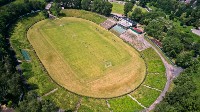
48	6
136	30
126	23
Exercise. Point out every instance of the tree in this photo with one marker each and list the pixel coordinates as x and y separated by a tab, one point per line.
31	104
147	17
172	46
96	6
158	27
143	2
3	2
185	59
185	96
86	4
48	106
107	9
133	1
155	29
127	8
55	9
137	14
167	5
75	4
102	7
184	37
11	85
196	47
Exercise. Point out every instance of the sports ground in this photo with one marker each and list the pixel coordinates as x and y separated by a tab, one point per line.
38	75
85	58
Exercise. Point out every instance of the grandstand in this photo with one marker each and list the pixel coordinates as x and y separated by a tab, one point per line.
137	41
126	22
108	24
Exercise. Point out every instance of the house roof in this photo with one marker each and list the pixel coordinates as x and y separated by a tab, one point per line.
129	20
138	30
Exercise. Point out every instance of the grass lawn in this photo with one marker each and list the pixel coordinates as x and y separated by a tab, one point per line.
85	58
155	78
145	95
93	105
117	8
187	30
124	104
96	18
64	99
170	61
156	70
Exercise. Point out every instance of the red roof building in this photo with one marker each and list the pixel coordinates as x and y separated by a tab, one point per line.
138	30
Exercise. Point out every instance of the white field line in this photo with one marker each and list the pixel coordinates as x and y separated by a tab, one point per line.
152	88
108	105
78	105
54	90
136	101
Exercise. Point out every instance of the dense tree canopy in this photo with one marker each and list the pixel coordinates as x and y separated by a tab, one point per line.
158	27
32	104
187	13
147	17
128	7
137	14
3	2
99	6
10	81
185	59
172	46
86	4
102	7
55	9
185	96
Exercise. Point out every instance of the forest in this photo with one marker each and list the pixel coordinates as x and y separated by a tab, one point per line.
12	84
168	23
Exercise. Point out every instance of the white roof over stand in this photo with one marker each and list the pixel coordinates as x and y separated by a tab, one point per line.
125	23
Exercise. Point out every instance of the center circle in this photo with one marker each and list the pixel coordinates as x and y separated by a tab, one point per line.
86	59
